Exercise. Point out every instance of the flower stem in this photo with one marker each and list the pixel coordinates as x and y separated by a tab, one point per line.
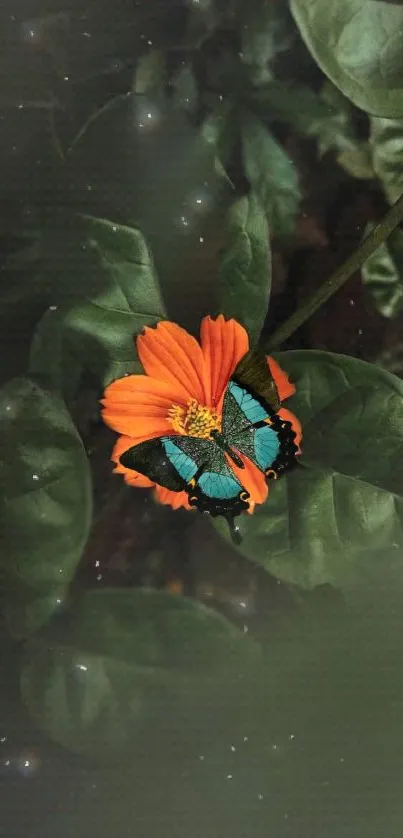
367	247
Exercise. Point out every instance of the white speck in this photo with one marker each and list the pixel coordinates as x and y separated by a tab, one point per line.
274	747
221	97
243	604
232	748
198	200
201	239
184	221
8	408
260	797
89	188
229	776
245	629
97	563
66	78
360	331
246	739
81	666
61	570
292	735
20	107
3	739
7	762
35	477
52	308
114	228
201	757
150	43
87	34
149	115
27	763
99	577
58	601
352	303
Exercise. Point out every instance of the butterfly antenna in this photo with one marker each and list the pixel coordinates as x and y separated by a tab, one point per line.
234	529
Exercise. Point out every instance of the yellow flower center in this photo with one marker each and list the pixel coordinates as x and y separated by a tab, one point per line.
194	420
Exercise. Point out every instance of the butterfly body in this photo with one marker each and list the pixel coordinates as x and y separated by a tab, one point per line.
251	428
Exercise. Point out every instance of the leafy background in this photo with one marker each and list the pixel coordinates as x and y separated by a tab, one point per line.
205	157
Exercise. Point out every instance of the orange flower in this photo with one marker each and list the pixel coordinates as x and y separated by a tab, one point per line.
182	393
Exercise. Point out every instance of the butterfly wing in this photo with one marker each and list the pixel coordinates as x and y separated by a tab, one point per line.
150	458
253	373
252	428
193	465
213	486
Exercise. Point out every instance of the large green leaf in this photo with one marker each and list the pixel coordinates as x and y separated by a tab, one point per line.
382	274
359	45
105	290
271	174
335	516
244	276
386	139
129	660
46	503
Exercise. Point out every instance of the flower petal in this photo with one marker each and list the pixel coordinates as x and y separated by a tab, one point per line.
252	479
133	478
295	424
138	406
224	343
174	499
168	353
282	382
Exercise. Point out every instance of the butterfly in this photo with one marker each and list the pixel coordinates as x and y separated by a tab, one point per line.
202	467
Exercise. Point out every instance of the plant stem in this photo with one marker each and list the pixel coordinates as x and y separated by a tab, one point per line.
367	247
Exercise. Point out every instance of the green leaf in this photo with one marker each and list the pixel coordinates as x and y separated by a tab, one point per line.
358	44
244	276
267	30
335	516
271	174
150	76
53	360
382	274
147	167
357	162
127	661
386	139
106	291
185	88
327	117
45	506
